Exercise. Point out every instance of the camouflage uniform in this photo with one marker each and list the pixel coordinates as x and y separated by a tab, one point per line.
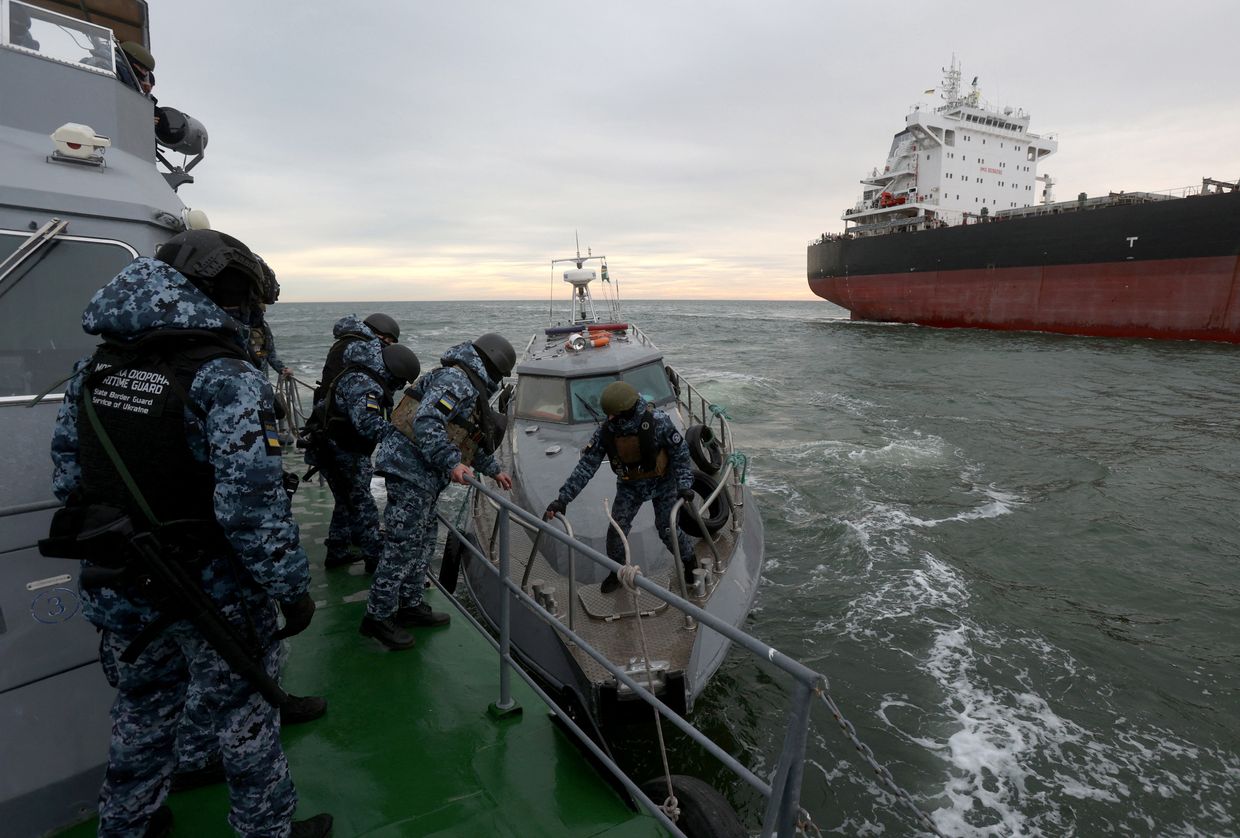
355	518
631	494
265	565
417	474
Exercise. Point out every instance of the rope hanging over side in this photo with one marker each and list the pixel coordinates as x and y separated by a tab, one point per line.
627	575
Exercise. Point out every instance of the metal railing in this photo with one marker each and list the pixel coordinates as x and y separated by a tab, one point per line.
782	793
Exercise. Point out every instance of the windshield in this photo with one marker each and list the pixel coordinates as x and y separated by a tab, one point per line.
552	399
41	307
649	379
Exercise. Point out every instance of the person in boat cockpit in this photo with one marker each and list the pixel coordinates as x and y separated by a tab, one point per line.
135	67
651	461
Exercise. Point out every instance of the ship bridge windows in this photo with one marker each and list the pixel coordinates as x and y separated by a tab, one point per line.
59	37
41	320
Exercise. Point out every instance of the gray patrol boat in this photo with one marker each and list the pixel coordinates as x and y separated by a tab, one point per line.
81	195
552	410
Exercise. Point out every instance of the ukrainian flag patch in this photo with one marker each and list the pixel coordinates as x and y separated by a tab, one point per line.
447	403
271	434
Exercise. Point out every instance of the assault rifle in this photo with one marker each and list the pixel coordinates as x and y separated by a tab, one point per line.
95	530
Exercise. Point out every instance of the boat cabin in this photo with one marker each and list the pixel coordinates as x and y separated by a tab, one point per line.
559	384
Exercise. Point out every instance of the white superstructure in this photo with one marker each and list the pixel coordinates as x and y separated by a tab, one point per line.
959	162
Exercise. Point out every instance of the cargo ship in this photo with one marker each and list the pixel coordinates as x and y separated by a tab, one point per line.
960	230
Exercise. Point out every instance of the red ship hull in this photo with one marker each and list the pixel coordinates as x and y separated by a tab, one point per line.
1171	299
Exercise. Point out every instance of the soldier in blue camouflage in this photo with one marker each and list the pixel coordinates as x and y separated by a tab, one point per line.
218	433
356	408
354	530
651	461
451	433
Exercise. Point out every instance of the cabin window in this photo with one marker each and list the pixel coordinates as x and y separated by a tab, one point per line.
541	397
41	333
649	379
60	38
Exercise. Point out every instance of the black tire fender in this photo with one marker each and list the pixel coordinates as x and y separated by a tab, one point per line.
713	517
704	812
704	448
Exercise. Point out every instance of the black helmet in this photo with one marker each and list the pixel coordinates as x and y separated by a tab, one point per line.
223	267
617	397
497	354
401	363
271	286
382	324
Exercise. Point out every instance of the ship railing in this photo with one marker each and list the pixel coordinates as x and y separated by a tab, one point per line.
702	412
783	810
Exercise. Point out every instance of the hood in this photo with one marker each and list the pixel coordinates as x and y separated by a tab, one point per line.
464	353
368	354
148	294
630	425
351	324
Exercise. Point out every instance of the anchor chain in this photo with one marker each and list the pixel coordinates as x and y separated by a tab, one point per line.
881	771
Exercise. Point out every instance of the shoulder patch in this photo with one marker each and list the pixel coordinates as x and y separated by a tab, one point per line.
676	437
372	402
447	403
271	433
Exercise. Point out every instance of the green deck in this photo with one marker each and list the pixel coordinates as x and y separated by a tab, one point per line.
407	746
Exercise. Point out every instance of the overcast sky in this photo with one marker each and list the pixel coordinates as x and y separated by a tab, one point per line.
448	150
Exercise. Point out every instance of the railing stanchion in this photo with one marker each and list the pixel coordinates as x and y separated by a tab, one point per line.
506	706
784	804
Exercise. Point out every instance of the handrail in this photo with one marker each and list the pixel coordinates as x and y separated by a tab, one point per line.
783	795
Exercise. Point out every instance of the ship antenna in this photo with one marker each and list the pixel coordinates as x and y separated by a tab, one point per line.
577	237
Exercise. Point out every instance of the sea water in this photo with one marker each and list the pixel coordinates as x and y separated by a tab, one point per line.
1015	556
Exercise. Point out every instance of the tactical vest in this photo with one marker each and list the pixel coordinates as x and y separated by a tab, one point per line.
468	435
635	456
334	365
140	393
336	419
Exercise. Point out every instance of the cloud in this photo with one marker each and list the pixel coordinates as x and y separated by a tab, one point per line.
449	151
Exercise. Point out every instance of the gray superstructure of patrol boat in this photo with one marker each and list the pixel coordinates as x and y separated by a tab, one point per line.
552	410
73	212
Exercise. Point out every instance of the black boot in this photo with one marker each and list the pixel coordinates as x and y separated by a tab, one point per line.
372	564
160	823
196	778
320	826
387	633
420	615
339	558
302	708
610	583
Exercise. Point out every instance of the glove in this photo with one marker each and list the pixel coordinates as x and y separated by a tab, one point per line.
297	616
291	482
686	495
556	506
